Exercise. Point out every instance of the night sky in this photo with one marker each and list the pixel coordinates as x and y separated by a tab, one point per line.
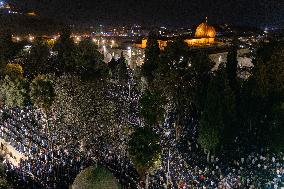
258	13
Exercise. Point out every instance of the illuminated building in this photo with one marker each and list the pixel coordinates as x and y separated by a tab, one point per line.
204	30
4	5
32	13
5	8
162	44
204	35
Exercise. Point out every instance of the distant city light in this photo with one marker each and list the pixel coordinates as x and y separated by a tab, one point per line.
31	38
31	13
181	59
77	39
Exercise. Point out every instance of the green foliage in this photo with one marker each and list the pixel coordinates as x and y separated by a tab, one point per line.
177	54
261	94
13	92
88	61
265	51
82	59
83	107
277	123
144	150
8	49
14	71
209	136
173	74
183	77
152	107
95	178
65	48
42	93
14	88
219	115
122	70
232	66
151	60
201	65
4	183
200	71
269	76
113	64
3	64
38	59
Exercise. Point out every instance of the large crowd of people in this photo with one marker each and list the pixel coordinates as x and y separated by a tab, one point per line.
51	165
185	165
55	156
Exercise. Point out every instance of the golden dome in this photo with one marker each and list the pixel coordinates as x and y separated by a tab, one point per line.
204	30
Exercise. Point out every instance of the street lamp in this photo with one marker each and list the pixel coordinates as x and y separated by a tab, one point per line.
78	39
31	38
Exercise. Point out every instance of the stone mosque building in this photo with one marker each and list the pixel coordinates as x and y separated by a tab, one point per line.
204	36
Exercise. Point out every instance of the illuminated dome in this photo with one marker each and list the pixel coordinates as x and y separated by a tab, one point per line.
204	30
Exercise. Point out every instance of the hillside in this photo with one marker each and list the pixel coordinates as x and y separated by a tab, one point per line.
22	24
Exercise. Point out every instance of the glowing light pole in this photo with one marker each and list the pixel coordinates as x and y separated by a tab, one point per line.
31	38
112	43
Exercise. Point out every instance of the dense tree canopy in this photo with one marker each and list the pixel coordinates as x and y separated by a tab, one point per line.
218	120
88	61
186	107
232	66
65	48
144	150
152	53
8	48
14	71
42	93
122	70
183	77
95	177
38	60
152	107
14	92
264	92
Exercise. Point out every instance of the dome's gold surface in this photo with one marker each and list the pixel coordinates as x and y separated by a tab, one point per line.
204	30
